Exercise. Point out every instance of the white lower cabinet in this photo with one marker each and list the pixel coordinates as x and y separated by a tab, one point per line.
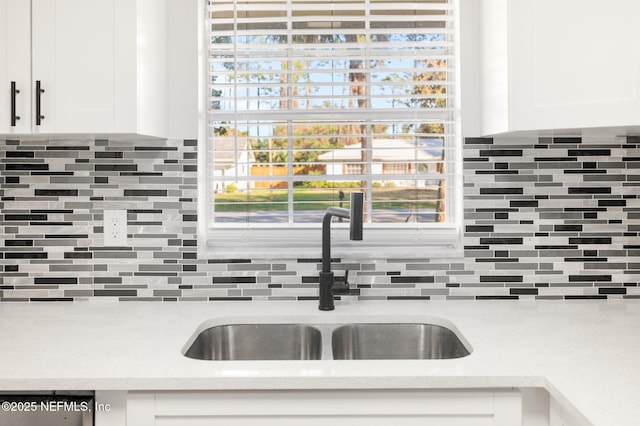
491	407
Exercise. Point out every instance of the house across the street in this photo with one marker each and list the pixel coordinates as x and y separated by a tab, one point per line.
393	157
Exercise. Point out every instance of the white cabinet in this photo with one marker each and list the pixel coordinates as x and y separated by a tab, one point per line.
321	407
73	58
549	64
103	66
15	63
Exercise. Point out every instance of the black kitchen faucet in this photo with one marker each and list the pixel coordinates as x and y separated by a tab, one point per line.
355	216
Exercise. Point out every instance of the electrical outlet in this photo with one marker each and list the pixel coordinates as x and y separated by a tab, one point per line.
115	228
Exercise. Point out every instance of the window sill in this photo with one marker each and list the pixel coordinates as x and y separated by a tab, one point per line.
378	243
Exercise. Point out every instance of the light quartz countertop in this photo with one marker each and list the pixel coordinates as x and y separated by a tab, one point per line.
585	353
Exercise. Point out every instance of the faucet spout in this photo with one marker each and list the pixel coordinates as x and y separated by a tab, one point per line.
355	216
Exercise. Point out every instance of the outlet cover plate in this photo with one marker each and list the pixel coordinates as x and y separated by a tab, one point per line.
115	228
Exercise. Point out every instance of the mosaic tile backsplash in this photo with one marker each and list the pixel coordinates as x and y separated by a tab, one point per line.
545	218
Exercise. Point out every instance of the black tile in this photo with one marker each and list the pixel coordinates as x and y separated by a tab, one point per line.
115	293
553	159
230	261
18	243
116	167
501	278
614	290
67	148
501	191
479	228
150	211
230	299
496	172
512	297
585	209
567	228
408	297
77	255
589	278
55	280
501	153
478	141
408	279
524	291
589	190
140	174
234	280
586	259
156	148
145	192
25	217
567	140
506	240
56	192
20	154
523	203
26	255
585	171
590	240
589	152
51	299
25	167
52	173
612	203
496	210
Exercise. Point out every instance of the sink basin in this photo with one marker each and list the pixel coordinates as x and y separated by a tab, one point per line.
257	342
396	341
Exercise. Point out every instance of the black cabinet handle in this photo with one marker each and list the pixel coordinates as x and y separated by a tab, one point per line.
39	92
14	92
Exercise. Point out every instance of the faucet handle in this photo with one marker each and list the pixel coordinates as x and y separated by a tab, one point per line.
341	286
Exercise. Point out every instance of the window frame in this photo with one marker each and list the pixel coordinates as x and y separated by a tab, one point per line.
304	240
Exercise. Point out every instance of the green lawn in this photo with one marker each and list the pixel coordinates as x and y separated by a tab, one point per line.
321	199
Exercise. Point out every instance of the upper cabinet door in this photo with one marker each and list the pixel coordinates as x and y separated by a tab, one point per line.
73	54
574	63
570	64
15	66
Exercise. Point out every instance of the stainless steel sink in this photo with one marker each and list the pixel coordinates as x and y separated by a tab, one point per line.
296	341
257	342
396	341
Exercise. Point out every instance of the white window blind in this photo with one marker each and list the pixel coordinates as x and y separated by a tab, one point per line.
312	99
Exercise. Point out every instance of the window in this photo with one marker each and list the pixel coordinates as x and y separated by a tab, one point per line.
309	100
